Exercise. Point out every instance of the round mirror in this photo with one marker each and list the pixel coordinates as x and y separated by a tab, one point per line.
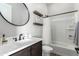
15	13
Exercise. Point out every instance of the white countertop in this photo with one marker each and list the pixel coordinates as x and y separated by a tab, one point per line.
11	47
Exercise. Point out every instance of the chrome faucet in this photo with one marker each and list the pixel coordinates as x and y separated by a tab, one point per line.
20	36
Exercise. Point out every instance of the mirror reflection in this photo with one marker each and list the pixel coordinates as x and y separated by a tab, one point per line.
15	13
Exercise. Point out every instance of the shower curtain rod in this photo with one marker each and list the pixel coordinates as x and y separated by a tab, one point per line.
60	14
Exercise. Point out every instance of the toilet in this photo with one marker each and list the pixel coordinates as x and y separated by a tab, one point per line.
46	50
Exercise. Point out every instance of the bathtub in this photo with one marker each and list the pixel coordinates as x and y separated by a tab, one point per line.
64	49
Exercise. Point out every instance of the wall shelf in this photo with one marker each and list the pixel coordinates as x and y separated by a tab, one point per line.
38	24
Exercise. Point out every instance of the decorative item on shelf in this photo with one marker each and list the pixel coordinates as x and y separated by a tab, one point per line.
38	13
39	19
38	24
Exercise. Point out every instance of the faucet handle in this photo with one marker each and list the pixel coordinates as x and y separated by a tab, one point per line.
23	37
15	39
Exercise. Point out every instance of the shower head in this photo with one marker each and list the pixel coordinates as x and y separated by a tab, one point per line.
38	13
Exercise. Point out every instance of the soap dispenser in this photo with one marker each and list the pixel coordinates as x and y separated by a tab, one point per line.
3	38
0	40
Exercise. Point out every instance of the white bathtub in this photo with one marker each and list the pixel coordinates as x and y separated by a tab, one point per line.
64	49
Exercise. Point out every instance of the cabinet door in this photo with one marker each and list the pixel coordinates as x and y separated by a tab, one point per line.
36	49
24	52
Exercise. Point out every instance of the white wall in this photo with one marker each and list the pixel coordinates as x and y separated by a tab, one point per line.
10	30
30	28
60	25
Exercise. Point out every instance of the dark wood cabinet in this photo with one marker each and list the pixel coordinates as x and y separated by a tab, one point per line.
33	50
37	49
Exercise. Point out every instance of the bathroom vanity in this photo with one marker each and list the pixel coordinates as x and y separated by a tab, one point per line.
17	14
27	47
33	50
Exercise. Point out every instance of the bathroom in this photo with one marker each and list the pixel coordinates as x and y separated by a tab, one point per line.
49	26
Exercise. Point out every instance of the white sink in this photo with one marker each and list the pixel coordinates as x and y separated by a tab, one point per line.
23	41
12	47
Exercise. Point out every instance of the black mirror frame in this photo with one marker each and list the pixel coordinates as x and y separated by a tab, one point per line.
16	24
